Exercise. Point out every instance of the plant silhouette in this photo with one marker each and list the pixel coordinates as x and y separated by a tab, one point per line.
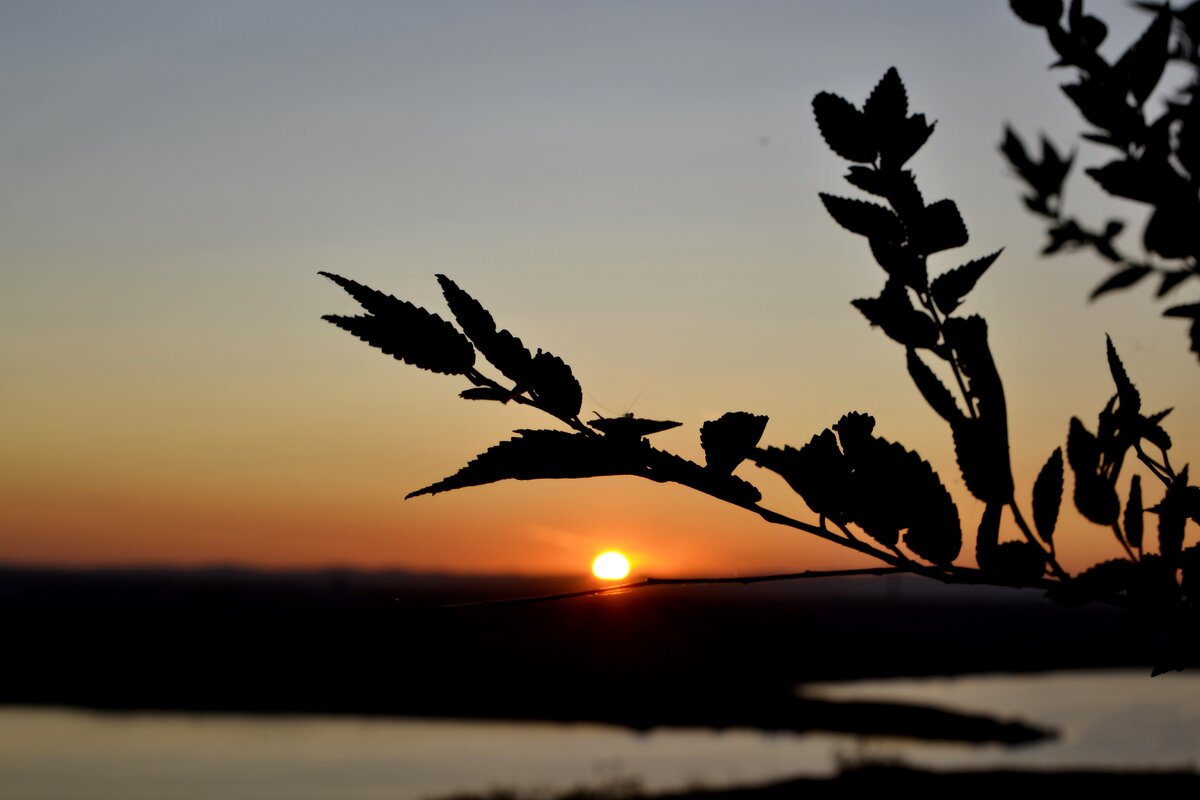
1158	161
870	495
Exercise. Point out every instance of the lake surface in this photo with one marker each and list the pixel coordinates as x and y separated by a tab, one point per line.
1107	720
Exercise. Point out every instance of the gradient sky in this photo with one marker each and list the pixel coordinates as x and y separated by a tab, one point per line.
630	185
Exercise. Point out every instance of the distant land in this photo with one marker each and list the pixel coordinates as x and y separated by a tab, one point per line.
344	641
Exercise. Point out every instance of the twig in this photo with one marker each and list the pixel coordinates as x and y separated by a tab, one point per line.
648	582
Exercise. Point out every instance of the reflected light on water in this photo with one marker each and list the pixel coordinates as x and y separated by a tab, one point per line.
1107	720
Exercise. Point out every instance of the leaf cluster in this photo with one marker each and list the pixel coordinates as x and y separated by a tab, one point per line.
1157	161
880	498
923	316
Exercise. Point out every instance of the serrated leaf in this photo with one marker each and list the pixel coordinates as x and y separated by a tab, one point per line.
1095	498
503	350
1133	514
935	393
631	427
866	219
911	137
538	454
987	536
940	227
372	300
887	104
404	331
1144	180
894	490
844	128
730	439
668	467
1172	513
870	180
893	312
1127	393
818	472
1047	496
981	443
553	387
1083	451
949	288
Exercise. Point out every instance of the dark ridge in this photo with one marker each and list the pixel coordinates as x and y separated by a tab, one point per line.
381	643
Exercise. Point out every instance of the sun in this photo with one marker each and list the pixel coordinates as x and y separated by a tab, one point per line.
610	566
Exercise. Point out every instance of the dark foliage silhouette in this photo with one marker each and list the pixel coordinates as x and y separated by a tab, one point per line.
1158	149
850	477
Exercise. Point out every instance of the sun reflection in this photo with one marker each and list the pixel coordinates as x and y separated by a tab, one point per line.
610	566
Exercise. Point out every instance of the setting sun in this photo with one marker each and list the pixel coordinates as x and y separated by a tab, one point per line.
610	566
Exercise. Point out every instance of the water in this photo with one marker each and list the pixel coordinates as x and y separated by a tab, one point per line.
1109	720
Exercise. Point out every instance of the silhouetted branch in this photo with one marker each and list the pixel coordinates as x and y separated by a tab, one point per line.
647	583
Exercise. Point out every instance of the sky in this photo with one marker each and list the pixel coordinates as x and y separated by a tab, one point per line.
631	185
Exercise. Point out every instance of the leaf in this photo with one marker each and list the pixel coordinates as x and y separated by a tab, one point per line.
940	227
487	393
553	387
987	537
631	427
866	219
1127	393
893	312
951	287
894	490
870	180
909	139
935	393
901	262
1014	150
1095	498
1047	496
898	135
1133	514
1171	279
1042	13
1146	180
503	350
1107	110
1172	513
730	439
1120	280
818	472
887	104
898	187
404	331
844	128
668	467
981	443
537	454
1142	64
